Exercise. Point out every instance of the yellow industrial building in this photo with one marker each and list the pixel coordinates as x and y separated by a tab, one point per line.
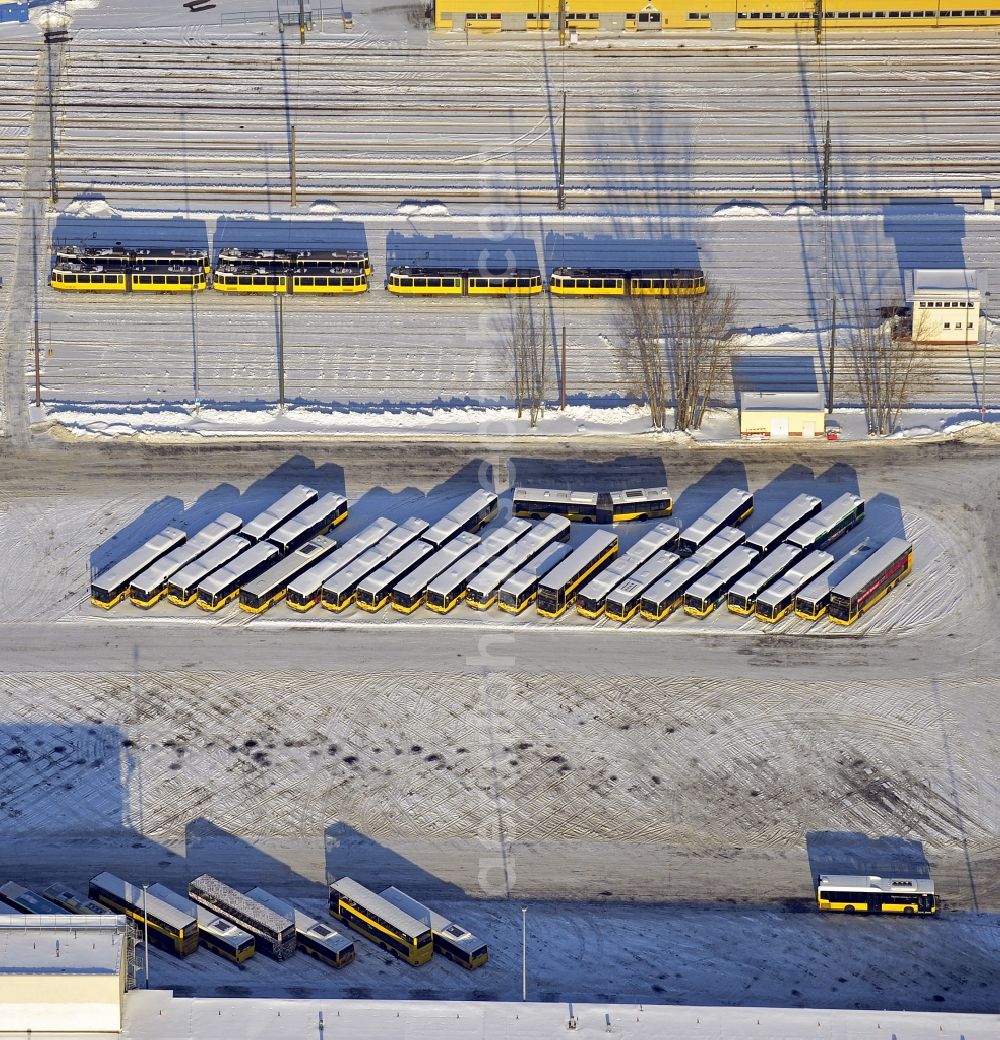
779	414
569	16
946	307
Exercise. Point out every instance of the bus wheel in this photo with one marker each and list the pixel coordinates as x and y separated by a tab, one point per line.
848	909
908	910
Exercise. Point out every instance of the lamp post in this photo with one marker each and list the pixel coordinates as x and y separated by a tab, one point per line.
145	938
524	953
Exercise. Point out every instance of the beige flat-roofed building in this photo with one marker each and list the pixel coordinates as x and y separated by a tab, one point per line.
779	414
946	306
62	974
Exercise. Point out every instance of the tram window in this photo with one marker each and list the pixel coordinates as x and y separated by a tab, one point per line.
69	279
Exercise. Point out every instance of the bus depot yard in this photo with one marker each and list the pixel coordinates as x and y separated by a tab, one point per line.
623	788
778	569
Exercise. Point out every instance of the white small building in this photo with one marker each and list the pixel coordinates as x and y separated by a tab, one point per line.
946	306
63	974
778	414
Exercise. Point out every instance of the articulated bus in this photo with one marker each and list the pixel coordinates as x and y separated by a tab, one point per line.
374	590
450	940
169	928
591	507
150	586
316	940
72	902
521	589
634	504
743	595
410	591
558	589
594	595
538	503
182	588
875	895
729	511
583	281
223	585
378	920
448	589
274	934
482	591
710	590
279	512
833	522
432	281
325	513
215	933
664	596
113	585
881	572
470	515
304	591
340	589
269	587
780	526
623	601
814	599
26	901
778	599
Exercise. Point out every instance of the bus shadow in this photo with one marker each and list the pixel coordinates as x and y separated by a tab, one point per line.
850	852
697	497
223	498
886	516
588	474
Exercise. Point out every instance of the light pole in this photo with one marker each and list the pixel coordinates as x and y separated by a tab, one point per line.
524	953
145	939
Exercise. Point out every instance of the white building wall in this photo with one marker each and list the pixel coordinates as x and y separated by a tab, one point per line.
60	1003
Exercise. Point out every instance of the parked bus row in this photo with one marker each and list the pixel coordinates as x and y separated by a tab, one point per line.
710	563
393	920
118	268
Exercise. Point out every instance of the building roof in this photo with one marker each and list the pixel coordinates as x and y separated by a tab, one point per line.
40	944
946	282
781	401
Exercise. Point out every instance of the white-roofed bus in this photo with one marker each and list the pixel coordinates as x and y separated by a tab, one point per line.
377	919
871	894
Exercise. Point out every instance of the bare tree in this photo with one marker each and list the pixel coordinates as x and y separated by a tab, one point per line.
527	348
678	350
889	365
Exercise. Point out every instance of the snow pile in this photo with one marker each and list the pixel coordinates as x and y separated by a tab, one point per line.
416	209
91	208
800	209
741	209
323	208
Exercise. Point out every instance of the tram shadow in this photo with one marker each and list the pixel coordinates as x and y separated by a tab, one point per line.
614	252
94	224
171	511
292	233
486	255
850	852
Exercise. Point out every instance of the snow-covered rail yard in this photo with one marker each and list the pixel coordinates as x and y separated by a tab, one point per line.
661	797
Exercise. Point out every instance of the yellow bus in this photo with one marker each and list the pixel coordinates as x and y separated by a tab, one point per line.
378	920
557	590
849	893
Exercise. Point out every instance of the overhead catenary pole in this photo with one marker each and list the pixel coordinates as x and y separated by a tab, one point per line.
561	195
38	369
524	951
302	22
291	157
145	939
53	186
562	373
833	355
281	349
